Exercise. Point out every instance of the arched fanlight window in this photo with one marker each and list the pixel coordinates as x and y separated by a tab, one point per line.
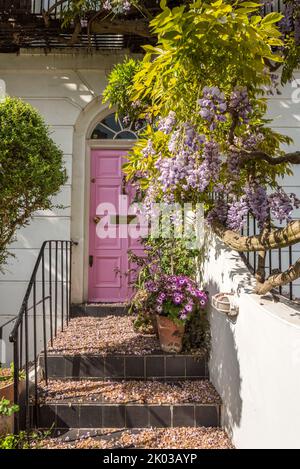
112	128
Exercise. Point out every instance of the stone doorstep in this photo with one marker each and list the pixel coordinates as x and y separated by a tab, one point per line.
98	415
126	367
98	310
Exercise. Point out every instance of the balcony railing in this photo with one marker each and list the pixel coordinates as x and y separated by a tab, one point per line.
23	26
37	7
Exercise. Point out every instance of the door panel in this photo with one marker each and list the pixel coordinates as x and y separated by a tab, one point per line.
108	275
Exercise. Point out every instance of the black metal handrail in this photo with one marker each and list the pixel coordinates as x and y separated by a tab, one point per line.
49	288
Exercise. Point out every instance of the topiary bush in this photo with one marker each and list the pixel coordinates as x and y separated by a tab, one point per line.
31	168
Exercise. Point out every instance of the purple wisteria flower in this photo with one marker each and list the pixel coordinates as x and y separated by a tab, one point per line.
218	213
117	6
233	164
253	140
213	106
194	162
126	120
211	166
258	202
239	103
236	214
167	124
282	205
149	149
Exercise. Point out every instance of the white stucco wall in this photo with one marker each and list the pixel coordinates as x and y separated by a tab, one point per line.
284	109
61	86
66	88
255	359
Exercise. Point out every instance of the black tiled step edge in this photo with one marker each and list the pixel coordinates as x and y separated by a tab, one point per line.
98	311
126	366
98	415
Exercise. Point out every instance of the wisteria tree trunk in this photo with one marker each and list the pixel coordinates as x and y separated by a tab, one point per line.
265	241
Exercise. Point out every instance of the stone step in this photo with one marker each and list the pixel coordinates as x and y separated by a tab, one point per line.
99	310
81	415
107	336
156	366
135	404
142	438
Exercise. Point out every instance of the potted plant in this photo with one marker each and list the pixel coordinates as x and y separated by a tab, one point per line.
168	256
7	382
6	416
175	298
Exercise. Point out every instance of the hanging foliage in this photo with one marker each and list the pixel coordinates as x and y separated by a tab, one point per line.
203	89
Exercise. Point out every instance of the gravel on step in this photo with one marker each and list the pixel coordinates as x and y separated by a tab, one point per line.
172	438
105	336
108	335
148	392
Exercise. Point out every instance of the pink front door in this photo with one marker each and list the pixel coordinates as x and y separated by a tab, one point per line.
109	281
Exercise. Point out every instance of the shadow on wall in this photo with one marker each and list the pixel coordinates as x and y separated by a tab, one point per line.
222	270
225	368
229	269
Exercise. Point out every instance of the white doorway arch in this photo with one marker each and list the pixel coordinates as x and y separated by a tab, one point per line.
88	119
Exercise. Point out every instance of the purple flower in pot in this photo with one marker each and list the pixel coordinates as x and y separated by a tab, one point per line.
189	307
177	298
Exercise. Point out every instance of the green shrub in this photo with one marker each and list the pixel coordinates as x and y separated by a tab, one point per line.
31	168
117	93
6	408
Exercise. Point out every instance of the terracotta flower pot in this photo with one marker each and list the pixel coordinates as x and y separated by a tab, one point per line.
170	334
6	425
7	391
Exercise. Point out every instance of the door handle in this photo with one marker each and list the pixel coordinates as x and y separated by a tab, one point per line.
97	220
91	261
124	183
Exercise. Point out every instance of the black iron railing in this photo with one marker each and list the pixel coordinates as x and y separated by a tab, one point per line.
45	310
53	6
34	7
277	260
23	25
38	6
56	8
270	6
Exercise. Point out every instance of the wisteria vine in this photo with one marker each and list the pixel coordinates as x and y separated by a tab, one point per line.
196	164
